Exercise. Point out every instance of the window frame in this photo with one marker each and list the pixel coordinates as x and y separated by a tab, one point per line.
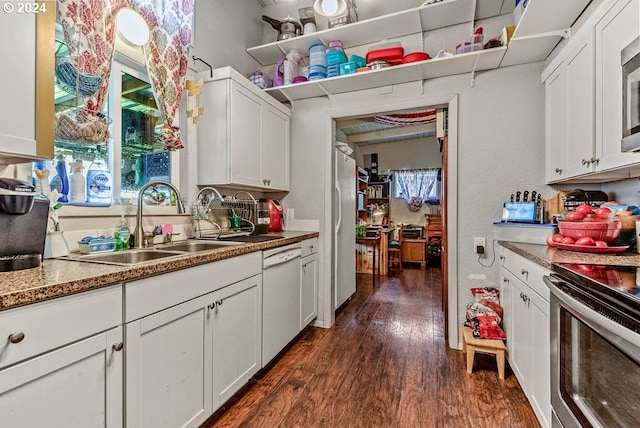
130	60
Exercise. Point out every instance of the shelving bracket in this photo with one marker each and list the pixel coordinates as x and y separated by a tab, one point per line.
564	33
327	93
473	71
283	92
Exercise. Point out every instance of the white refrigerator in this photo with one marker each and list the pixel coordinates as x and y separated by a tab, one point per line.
344	216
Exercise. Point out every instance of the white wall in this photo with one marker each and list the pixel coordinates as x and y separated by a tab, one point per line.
500	150
224	29
408	154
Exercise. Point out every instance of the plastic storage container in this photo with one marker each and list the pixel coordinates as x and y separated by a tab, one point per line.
317	61
77	183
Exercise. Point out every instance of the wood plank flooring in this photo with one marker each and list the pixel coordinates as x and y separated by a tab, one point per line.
385	363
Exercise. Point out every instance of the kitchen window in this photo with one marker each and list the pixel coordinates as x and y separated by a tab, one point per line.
132	152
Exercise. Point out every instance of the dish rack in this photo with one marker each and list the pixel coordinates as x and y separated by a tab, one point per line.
211	212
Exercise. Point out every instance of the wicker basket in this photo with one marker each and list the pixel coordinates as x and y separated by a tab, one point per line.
82	126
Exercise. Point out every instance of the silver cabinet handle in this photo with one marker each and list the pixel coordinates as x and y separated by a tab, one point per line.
558	170
524	272
595	160
505	279
502	257
219	302
16	337
586	161
118	346
212	306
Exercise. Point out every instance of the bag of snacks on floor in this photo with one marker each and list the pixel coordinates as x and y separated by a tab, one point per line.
486	327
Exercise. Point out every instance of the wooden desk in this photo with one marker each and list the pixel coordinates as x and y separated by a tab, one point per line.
414	250
365	247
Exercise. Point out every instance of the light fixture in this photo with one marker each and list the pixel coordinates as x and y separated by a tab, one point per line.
132	27
330	8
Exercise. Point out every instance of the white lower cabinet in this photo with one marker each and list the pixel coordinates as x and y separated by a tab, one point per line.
237	337
54	373
526	314
308	282
168	363
193	339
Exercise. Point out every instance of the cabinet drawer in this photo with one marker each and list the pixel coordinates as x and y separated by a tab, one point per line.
150	295
527	271
49	325
308	246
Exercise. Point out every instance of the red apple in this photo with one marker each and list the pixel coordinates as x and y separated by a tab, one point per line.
584	209
557	237
600	244
567	240
574	216
603	213
587	240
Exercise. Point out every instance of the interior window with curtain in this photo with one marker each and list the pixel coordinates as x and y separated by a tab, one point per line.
418	187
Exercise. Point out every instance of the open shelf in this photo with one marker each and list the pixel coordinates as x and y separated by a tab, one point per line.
538	32
405	22
404	73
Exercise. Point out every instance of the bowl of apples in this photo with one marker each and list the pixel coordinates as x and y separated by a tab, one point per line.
589	230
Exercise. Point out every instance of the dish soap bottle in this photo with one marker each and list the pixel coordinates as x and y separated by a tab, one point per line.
61	181
99	182
122	234
77	183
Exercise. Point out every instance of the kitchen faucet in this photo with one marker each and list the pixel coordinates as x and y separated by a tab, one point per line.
138	234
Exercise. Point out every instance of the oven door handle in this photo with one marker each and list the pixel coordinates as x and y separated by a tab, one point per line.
619	335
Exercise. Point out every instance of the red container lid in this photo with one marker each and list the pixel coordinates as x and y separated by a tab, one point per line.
392	55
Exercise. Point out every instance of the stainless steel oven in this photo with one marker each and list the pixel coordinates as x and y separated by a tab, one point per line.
630	61
595	346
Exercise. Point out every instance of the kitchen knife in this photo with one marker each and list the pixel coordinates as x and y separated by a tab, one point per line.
525	196
533	196
518	196
539	201
512	197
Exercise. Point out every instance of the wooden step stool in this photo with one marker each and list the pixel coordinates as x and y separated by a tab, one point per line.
485	346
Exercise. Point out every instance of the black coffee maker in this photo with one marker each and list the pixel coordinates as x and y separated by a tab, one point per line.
23	221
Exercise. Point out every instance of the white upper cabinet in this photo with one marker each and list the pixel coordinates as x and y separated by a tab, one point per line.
531	42
584	99
27	83
613	33
579	148
243	136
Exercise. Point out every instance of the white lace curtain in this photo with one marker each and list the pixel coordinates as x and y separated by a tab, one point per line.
418	186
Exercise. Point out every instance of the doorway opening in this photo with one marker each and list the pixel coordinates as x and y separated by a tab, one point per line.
386	144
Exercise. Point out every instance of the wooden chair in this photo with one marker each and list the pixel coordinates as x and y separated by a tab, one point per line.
433	226
394	251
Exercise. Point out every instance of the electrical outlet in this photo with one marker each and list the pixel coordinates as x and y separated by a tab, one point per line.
479	245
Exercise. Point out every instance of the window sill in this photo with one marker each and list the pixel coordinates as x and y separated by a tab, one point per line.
115	211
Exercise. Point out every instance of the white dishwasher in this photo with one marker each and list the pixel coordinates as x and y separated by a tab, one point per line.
280	299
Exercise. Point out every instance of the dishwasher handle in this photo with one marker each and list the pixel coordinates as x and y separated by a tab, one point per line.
281	257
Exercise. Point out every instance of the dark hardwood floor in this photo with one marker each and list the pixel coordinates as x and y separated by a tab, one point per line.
385	363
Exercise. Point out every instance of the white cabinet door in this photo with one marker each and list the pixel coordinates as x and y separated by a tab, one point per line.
236	316
168	367
613	33
275	149
580	105
26	84
79	385
520	341
245	137
540	385
555	125
308	289
506	292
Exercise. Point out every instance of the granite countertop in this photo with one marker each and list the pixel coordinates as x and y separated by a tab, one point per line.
546	256
58	277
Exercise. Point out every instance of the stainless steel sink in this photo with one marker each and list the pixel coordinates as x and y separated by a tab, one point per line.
131	257
196	246
134	257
